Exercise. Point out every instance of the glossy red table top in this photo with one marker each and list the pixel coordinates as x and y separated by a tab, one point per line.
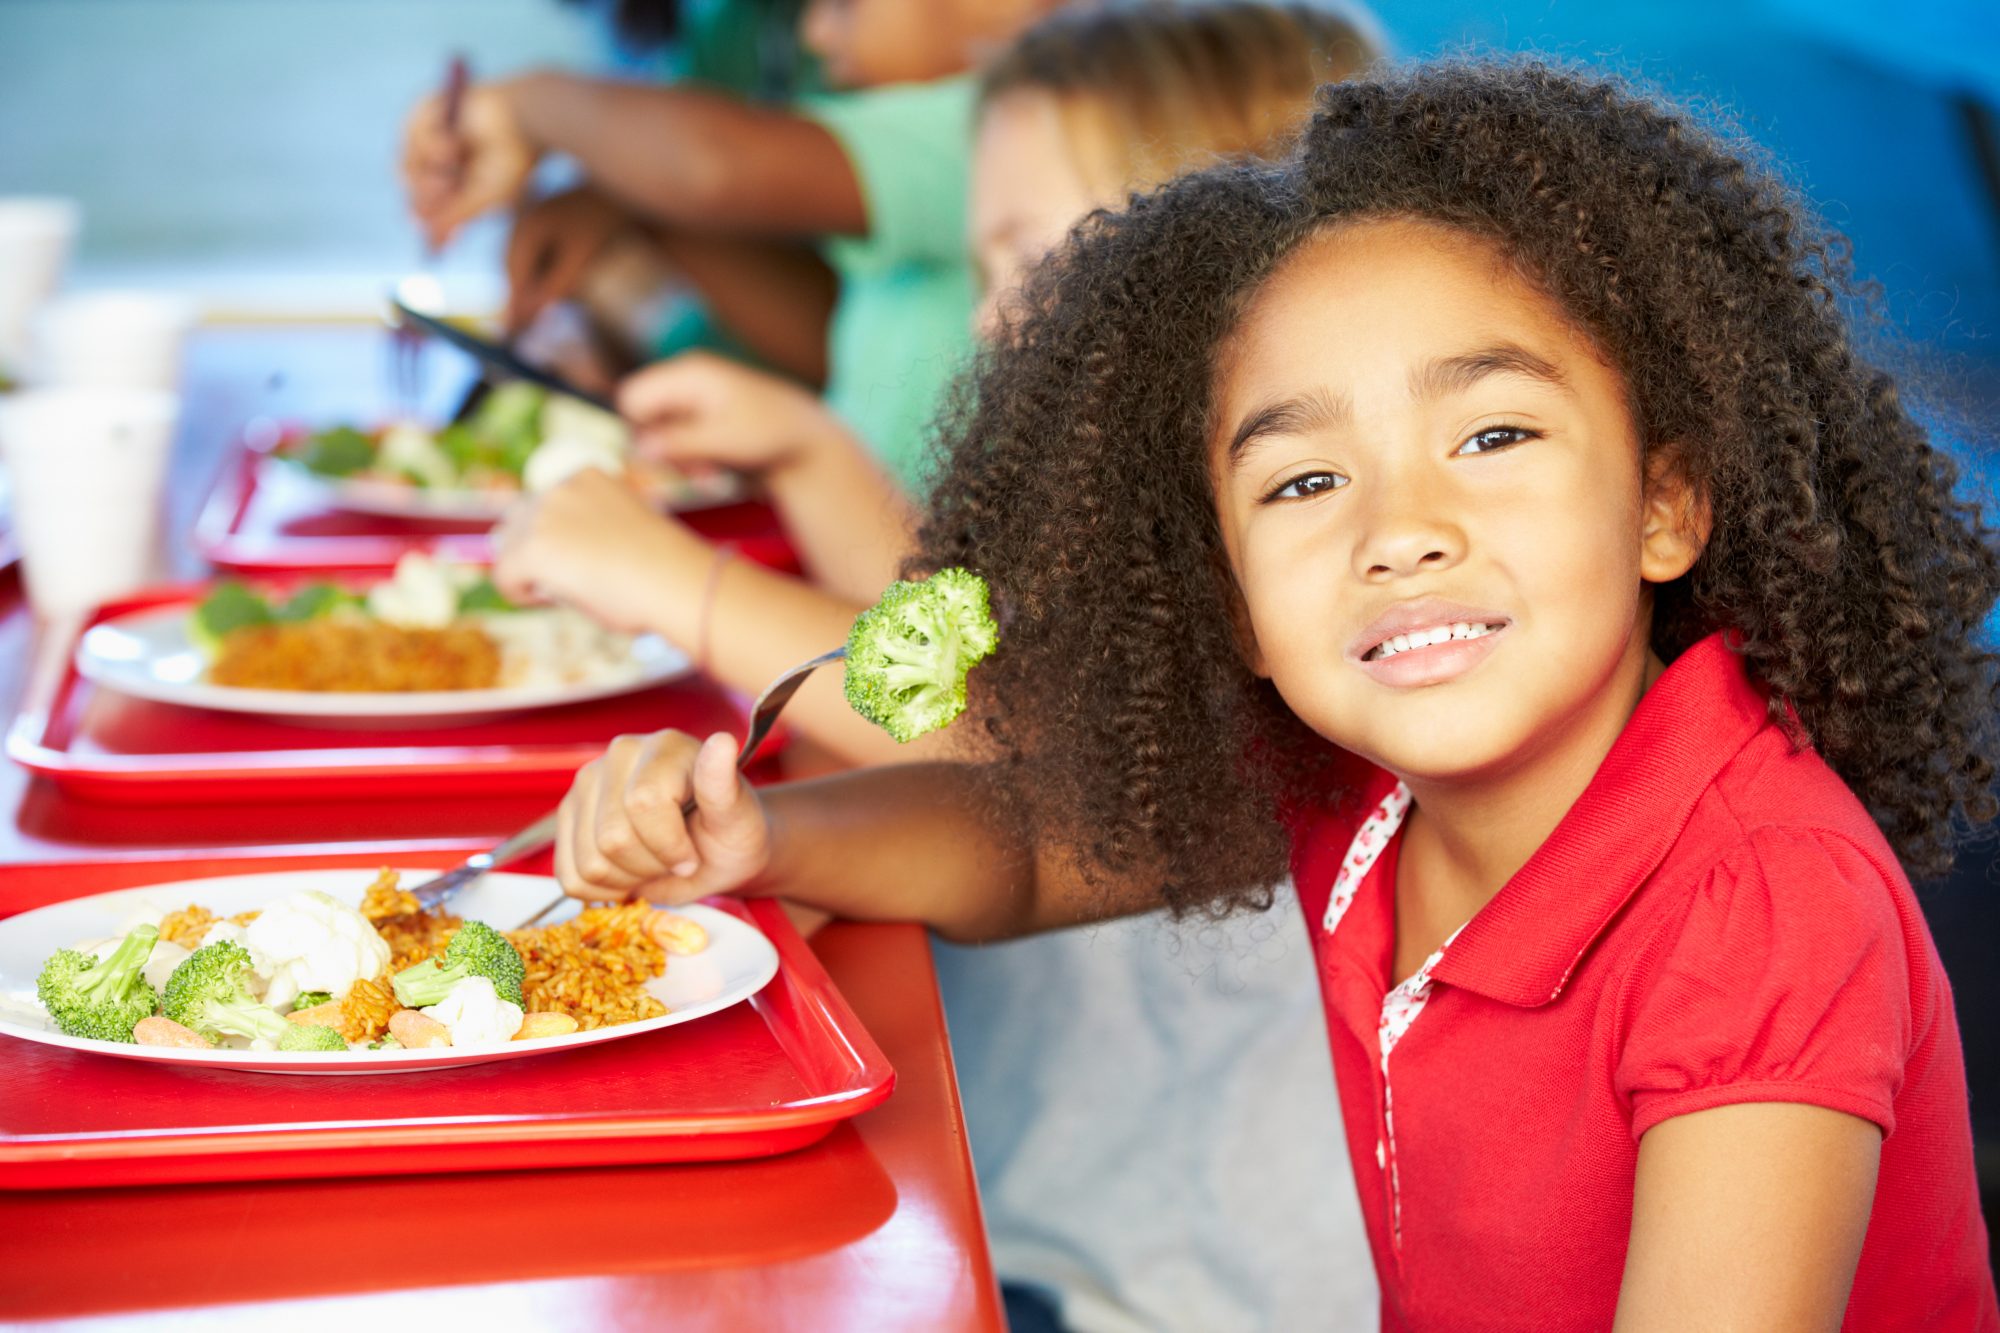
875	1227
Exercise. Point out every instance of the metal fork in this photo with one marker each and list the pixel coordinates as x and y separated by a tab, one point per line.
433	893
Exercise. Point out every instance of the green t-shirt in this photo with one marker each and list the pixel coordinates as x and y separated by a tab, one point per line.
903	325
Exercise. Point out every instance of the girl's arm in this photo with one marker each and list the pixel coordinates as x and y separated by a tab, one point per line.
913	842
678	154
776	296
593	544
1748	1217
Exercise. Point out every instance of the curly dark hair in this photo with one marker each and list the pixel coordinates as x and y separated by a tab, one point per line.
1076	480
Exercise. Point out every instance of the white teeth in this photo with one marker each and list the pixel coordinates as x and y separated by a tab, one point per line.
1424	638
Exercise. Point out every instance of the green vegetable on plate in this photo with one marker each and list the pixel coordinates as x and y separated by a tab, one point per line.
104	999
210	993
477	950
338	452
311	1037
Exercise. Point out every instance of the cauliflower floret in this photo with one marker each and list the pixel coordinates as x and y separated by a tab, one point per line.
559	458
414	451
422	594
558	645
567	418
314	943
475	1015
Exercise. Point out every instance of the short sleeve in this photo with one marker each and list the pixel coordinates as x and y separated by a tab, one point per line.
1786	979
910	145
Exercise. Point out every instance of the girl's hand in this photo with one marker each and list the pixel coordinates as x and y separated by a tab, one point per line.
555	242
620	833
590	543
699	411
454	174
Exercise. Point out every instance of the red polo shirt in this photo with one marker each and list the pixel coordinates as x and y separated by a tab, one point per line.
1716	920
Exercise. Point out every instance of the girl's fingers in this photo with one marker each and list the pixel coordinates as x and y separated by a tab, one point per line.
654	792
591	866
680	443
513	560
666	389
728	820
566	834
618	841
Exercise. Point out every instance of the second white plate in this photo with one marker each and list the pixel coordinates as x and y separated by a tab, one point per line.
149	655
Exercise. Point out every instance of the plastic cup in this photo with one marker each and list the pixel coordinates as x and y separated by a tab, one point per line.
35	239
87	468
110	340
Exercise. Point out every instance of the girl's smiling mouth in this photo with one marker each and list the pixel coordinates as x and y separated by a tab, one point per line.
1426	641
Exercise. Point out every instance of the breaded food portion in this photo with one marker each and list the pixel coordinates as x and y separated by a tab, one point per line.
356	656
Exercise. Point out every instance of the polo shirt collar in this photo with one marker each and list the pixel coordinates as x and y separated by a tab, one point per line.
1523	945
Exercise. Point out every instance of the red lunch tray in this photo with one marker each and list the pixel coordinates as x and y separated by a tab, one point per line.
104	746
264	516
767	1076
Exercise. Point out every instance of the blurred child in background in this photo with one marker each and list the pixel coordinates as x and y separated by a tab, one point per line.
1180	1229
877	176
875	173
585	254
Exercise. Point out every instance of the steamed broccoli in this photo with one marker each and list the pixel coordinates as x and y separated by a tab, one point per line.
210	993
229	606
313	601
311	1037
100	999
908	655
312	999
483	595
509	421
338	452
477	950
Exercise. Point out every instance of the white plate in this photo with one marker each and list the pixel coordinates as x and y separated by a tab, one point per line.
734	966
392	499
149	655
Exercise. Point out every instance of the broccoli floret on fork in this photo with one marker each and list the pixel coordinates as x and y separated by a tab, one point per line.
908	655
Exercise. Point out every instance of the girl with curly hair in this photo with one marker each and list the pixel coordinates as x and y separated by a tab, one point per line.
1487	510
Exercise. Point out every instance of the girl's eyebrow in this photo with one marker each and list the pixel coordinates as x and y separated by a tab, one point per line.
1313	410
1456	374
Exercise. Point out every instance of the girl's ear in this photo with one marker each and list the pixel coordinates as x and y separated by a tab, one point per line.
1676	519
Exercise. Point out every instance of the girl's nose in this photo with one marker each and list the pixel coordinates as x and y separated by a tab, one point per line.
1406	539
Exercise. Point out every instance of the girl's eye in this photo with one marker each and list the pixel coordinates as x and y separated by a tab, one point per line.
1497	437
1308	484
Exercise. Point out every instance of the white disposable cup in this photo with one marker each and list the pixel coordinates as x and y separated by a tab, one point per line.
87	468
111	340
35	239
